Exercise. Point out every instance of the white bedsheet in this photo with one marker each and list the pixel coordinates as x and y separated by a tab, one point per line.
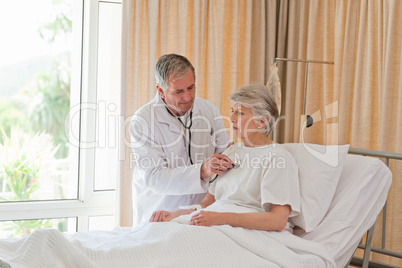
164	245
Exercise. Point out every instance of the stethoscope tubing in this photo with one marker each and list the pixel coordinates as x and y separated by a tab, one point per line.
189	134
188	128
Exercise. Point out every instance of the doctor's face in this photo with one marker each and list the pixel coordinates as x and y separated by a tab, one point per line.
180	93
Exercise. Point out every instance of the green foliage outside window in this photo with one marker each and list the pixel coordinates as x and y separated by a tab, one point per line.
33	142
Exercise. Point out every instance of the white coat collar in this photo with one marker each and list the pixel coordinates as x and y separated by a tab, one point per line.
164	117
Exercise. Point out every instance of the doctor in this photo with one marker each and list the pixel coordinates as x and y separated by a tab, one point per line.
177	141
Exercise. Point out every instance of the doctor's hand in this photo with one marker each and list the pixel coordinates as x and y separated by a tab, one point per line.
161	215
216	164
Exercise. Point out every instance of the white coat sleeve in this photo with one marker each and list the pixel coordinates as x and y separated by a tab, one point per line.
152	167
221	136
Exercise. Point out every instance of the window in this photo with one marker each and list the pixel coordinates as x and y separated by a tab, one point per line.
59	115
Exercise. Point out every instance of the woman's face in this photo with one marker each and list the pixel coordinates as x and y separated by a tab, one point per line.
243	122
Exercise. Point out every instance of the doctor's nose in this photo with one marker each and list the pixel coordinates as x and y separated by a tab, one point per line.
187	96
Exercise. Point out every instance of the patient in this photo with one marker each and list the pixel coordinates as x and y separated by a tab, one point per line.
261	191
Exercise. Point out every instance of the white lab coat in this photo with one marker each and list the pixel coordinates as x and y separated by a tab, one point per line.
163	177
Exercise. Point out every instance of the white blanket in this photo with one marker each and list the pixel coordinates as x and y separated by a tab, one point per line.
164	245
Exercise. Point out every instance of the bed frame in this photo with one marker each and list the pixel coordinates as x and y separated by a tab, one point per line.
367	247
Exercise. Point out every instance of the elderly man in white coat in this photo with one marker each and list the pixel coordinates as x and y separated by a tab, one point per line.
177	141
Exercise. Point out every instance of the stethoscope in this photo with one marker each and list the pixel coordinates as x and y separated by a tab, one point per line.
234	165
189	133
185	127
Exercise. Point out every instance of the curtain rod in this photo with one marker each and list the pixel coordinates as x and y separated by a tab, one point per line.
298	60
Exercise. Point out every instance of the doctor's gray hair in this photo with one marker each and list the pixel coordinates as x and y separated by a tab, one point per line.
261	102
171	67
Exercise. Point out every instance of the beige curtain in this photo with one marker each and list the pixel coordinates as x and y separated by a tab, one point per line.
357	100
368	82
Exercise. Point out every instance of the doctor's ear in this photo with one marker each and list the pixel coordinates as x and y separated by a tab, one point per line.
161	92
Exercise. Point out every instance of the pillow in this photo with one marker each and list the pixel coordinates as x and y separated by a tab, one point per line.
320	167
359	197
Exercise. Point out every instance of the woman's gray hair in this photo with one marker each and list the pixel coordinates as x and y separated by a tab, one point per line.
261	102
171	66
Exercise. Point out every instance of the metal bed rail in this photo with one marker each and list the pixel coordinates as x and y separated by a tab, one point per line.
367	247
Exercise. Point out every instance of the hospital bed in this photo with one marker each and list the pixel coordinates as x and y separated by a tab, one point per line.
367	246
356	187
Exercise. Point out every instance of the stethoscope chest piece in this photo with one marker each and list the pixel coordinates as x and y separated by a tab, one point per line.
235	165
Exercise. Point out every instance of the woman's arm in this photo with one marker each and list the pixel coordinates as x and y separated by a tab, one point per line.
162	215
275	220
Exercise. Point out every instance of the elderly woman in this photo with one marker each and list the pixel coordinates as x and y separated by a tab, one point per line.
261	191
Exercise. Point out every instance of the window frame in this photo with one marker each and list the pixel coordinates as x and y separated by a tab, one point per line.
89	203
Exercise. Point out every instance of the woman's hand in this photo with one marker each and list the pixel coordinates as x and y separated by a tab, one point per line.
208	218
